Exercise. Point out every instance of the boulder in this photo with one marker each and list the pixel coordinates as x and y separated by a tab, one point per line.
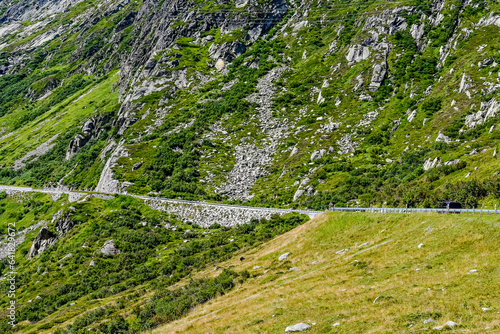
378	76
137	166
443	138
43	240
110	249
316	155
297	328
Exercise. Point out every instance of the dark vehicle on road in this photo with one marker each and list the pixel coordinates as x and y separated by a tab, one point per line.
450	207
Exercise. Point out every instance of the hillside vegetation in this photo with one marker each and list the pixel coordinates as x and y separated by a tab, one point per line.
71	279
368	273
272	103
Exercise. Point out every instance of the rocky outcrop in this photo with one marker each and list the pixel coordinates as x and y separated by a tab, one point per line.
486	111
92	128
43	240
357	53
107	182
64	224
226	52
7	248
316	155
379	73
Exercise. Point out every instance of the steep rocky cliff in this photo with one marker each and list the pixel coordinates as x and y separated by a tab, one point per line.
279	103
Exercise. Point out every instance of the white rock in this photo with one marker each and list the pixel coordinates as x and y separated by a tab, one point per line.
472	271
420	245
283	256
427	321
336	324
297	328
485	309
450	324
443	138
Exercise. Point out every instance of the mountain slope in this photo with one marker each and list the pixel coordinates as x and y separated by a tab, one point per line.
370	273
270	103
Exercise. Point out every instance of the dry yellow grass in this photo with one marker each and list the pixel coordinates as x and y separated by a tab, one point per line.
386	286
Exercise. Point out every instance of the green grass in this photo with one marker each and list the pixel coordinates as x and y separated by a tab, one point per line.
388	285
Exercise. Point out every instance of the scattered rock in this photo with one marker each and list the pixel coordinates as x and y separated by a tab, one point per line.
443	138
316	155
283	256
110	249
420	245
336	324
137	166
92	263
428	321
65	257
472	271
297	328
450	324
257	267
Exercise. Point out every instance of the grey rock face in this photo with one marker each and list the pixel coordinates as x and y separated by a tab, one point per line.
43	240
297	328
136	166
7	248
227	51
302	188
417	31
357	53
107	183
411	116
110	249
465	83
64	224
